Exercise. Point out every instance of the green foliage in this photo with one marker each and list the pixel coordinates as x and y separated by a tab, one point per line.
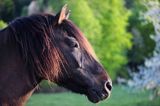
113	46
46	84
2	24
143	45
20	6
6	10
10	9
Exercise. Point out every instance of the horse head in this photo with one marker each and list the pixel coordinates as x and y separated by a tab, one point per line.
81	71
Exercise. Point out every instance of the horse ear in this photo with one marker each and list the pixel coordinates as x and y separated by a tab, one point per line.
63	14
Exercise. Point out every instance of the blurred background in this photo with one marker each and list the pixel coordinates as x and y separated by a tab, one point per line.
125	35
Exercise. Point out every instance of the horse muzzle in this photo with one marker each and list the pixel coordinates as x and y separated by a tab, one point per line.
95	95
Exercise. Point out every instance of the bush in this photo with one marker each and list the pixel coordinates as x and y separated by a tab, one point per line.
115	41
2	24
141	35
149	75
6	10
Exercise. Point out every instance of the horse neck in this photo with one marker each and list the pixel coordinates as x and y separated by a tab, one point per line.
16	82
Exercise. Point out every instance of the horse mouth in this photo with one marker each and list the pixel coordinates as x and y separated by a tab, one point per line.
95	96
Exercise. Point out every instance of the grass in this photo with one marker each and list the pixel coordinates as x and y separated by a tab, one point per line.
120	97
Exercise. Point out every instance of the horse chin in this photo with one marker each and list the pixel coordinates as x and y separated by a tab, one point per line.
95	97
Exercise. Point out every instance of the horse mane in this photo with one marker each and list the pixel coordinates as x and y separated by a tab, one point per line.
36	39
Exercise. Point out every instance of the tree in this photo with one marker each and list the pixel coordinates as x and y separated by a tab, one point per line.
19	5
141	32
149	74
10	9
6	10
116	41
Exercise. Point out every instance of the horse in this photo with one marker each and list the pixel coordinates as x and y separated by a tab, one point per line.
48	47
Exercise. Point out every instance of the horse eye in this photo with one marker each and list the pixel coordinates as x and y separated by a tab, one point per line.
72	42
75	45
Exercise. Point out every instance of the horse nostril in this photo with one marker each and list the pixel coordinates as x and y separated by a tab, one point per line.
108	85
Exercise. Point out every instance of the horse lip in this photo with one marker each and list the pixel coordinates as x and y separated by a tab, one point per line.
103	97
95	96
